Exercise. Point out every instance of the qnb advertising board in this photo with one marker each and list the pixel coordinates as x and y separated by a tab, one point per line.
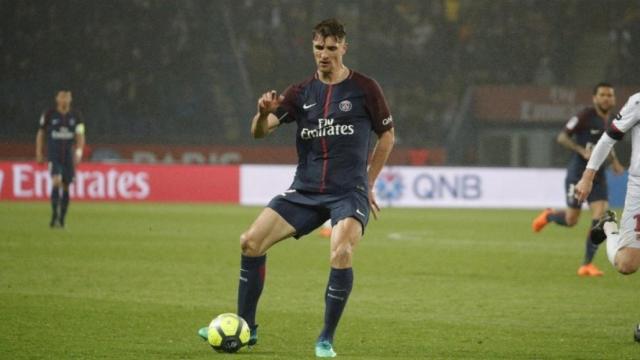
438	186
120	182
402	186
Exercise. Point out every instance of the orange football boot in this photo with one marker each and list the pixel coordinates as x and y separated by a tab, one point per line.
325	232
540	221
589	270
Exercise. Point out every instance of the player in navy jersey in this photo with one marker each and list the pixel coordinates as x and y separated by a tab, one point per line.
335	112
62	129
580	135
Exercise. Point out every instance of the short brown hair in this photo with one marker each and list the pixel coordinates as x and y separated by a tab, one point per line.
602	84
330	27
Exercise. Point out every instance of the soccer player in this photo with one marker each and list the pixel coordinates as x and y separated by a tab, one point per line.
623	247
579	136
335	111
63	131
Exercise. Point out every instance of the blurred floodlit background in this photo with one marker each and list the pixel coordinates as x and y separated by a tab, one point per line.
470	82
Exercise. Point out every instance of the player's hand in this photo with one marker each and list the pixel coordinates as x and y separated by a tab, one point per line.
39	158
269	102
373	204
585	153
617	168
583	189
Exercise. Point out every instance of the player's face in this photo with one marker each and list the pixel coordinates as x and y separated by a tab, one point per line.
328	53
63	100
604	99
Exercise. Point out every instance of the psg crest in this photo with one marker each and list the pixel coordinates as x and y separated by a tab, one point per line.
345	105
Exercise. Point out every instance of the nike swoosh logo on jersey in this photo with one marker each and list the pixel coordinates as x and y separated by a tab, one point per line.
307	107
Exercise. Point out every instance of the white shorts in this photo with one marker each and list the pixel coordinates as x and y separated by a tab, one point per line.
630	222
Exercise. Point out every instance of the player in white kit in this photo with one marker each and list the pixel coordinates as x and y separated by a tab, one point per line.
623	247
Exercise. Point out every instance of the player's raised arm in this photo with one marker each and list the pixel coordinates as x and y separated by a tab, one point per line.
264	122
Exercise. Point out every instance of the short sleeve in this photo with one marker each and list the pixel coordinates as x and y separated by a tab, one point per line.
577	122
378	109
626	119
289	109
572	125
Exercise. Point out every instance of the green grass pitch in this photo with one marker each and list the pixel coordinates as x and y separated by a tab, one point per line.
137	281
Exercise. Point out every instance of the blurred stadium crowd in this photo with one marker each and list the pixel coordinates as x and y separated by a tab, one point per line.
188	71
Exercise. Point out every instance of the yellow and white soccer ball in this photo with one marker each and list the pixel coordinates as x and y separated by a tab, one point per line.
228	333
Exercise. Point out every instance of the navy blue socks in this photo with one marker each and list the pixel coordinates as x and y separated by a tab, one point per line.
594	238
336	295
557	217
64	205
252	273
55	201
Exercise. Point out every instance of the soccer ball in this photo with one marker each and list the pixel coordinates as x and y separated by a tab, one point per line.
228	333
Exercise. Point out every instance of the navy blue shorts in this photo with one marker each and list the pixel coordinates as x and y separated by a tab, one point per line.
306	211
599	192
66	170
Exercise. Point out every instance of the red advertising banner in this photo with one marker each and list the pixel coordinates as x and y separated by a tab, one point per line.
119	182
530	104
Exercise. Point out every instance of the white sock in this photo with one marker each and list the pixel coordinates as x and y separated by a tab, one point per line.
613	240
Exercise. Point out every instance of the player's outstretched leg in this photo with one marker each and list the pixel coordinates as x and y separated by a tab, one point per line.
252	273
268	229
346	235
560	217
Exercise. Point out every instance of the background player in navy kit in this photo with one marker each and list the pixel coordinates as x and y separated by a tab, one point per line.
63	131
335	111
581	133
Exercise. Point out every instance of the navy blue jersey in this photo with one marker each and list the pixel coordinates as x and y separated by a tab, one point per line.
334	127
60	132
585	128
